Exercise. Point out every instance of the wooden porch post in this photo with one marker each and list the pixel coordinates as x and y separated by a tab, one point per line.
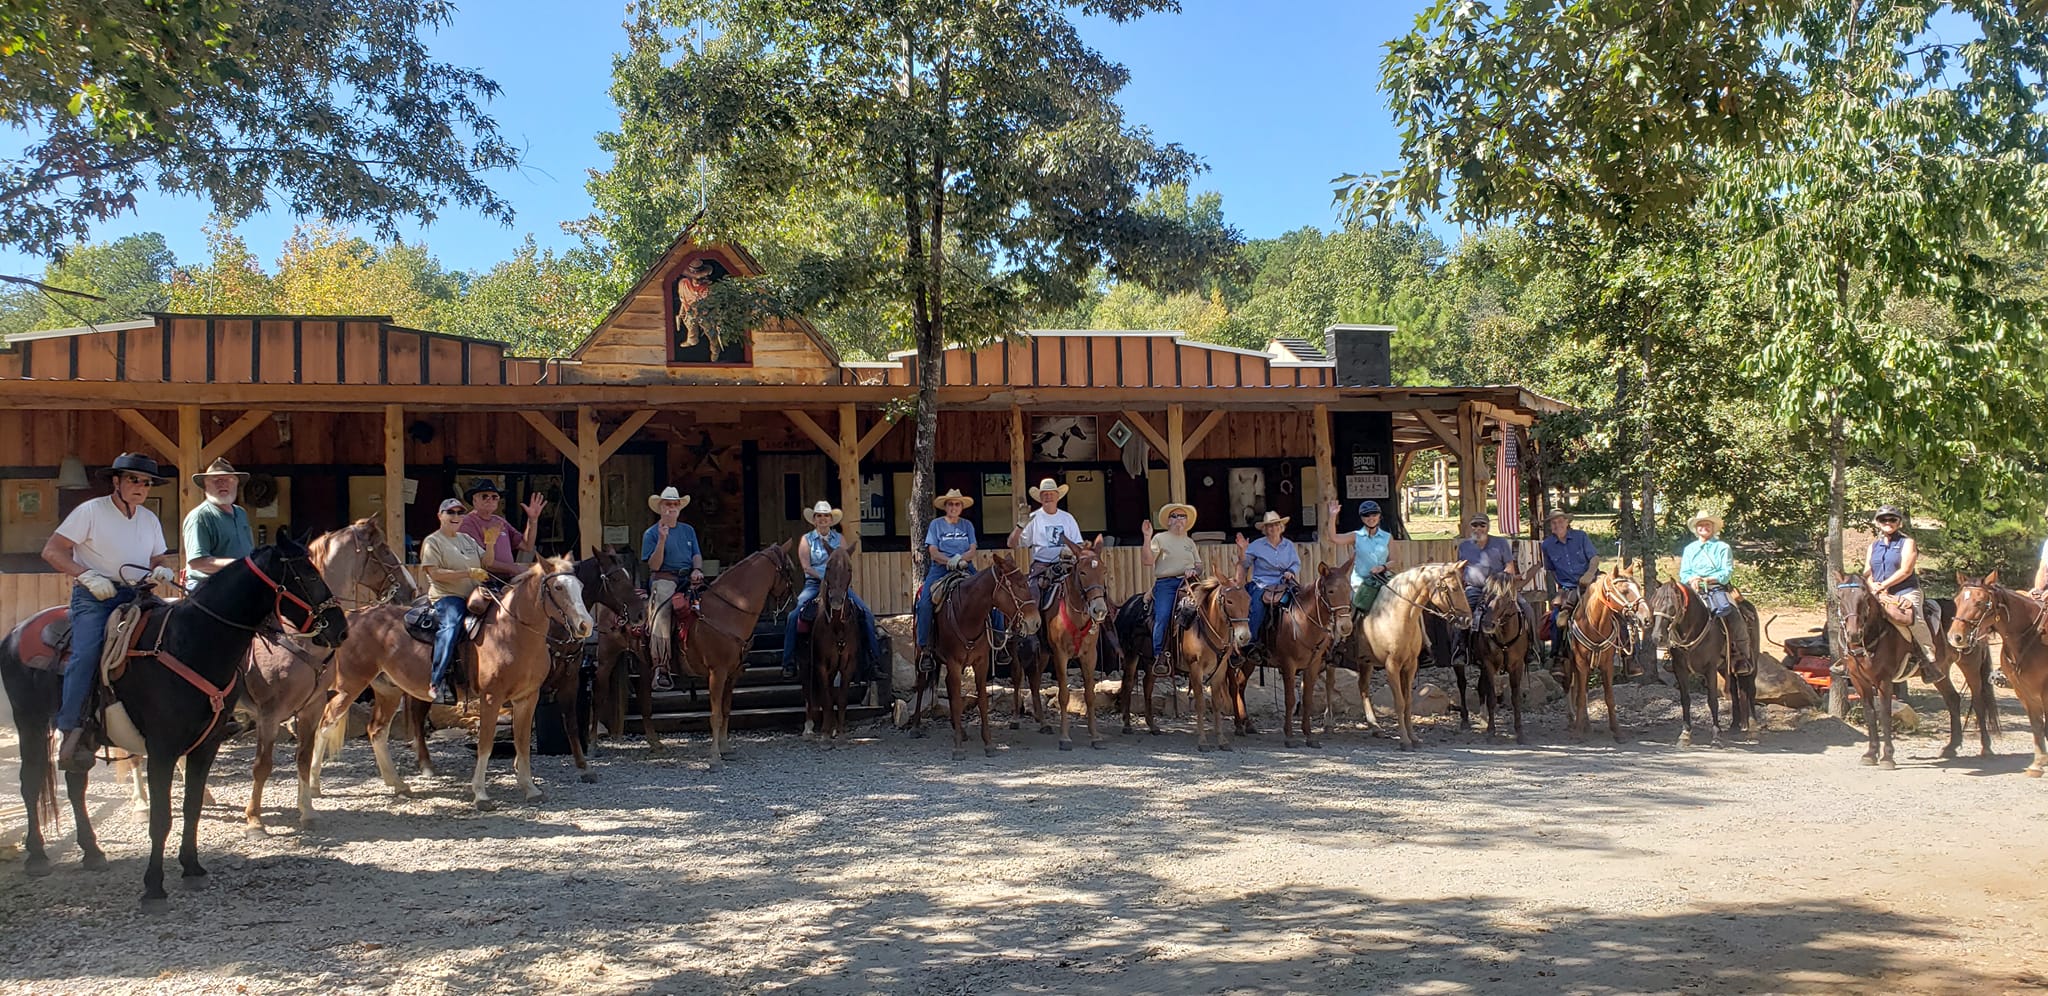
394	477
1017	482
1471	499
189	445
848	458
589	486
1176	453
1326	479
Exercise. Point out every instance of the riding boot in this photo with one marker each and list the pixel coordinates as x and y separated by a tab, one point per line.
444	694
75	753
1162	664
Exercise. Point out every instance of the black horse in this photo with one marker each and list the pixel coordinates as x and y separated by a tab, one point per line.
206	635
1699	645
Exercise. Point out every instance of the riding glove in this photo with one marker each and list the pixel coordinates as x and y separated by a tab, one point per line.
163	575
479	574
101	586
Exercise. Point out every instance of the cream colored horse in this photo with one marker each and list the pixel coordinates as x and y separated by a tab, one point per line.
1391	635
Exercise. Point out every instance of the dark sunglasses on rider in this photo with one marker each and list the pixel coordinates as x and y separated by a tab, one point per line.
1887	518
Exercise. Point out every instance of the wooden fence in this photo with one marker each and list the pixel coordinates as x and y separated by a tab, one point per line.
884	580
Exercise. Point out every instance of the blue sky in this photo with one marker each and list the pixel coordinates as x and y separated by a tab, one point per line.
1276	100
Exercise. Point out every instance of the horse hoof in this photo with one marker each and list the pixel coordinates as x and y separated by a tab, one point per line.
1948	753
918	733
536	796
1099	744
1226	747
1685	739
255	831
1289	743
1015	725
1156	731
959	755
486	805
36	866
1866	760
1314	744
2033	772
1066	745
587	778
1888	764
94	861
729	755
193	882
156	904
1204	748
988	752
1047	728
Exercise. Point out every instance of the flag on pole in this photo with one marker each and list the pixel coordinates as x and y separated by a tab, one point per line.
1507	483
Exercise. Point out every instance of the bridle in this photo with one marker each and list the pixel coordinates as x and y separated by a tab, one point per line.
380	555
315	614
1974	633
1445	588
1495	619
1227	650
1672	622
1617	637
1080	597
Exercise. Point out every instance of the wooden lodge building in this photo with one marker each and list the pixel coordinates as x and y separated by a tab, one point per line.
341	417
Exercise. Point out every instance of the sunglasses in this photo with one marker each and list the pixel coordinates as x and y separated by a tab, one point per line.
1889	518
132	479
1178	515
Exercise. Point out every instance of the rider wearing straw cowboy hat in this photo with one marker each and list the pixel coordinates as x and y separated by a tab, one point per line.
1175	561
949	543
818	546
93	546
1045	531
1892	563
1270	562
669	548
216	533
1707	565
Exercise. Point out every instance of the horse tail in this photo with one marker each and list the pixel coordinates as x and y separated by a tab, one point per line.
333	736
52	817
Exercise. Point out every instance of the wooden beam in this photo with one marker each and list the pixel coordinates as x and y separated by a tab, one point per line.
1325	459
623	434
190	441
550	431
1176	453
589	485
1447	433
1144	427
1508	415
811	428
394	474
1471	498
1209	422
849	475
234	433
150	434
873	437
1017	491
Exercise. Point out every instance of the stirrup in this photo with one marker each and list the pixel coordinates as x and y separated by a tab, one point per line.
1162	665
662	681
927	662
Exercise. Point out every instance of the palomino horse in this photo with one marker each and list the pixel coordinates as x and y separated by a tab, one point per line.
1078	604
1319	619
835	635
179	695
963	636
2022	626
1391	635
1598	630
287	679
728	611
607	581
514	623
1698	644
1207	648
1503	644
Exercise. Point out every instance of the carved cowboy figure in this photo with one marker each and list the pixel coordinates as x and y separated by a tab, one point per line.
1369	548
93	546
816	549
216	533
1707	565
492	532
670	550
1893	563
1569	556
454	564
1175	562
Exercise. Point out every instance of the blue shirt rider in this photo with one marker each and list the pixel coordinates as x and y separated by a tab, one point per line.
1370	547
818	546
1569	556
950	541
1268	562
1707	565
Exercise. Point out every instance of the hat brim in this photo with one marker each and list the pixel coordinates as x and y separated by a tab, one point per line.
836	515
1036	492
1697	519
1166	511
1281	521
940	502
654	502
200	479
154	480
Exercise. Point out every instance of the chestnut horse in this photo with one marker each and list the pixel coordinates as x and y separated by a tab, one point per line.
1391	634
287	678
507	669
1597	631
1503	644
1876	654
723	632
959	628
1319	619
1078	604
2022	626
1207	649
835	637
1697	643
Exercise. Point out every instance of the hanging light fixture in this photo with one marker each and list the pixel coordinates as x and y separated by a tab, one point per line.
71	472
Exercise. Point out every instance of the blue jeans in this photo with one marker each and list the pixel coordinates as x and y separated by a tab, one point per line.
1257	617
88	633
1165	592
869	640
448	613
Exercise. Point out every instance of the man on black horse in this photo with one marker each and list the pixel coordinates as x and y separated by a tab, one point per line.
92	546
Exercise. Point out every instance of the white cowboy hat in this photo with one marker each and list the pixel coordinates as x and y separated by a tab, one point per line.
1048	485
1274	519
1706	517
952	494
1166	511
825	508
220	467
1556	514
667	494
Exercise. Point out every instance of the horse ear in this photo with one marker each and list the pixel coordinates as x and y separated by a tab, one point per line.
1837	578
1098	541
1991	578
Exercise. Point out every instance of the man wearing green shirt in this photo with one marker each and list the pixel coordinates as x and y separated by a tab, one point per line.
216	533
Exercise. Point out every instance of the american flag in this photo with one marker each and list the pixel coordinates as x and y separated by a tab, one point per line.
1507	484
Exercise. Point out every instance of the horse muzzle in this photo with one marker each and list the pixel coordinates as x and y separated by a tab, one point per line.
1098	609
1241	634
1027	625
330	628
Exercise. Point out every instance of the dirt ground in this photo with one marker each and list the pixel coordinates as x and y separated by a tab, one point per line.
881	866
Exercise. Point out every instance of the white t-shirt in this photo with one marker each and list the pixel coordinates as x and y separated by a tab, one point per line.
106	541
1047	535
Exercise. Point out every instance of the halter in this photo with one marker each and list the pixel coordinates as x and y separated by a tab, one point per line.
379	554
1852	637
551	604
2001	604
1435	588
1618	634
1228	650
1685	597
1082	632
313	612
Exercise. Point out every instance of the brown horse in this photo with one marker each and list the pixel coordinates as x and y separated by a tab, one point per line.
727	613
2022	626
1319	619
835	635
1875	648
1598	631
1077	605
963	637
1698	644
1503	644
1207	649
1391	635
287	678
514	624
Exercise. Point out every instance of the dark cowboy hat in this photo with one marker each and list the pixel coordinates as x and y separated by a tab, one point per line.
136	463
220	467
481	485
1888	512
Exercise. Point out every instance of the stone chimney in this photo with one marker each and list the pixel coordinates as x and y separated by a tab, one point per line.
1364	354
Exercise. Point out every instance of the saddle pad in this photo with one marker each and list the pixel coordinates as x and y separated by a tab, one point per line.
44	638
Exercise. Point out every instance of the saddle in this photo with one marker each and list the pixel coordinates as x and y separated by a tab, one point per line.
1900	612
943	588
421	624
46	637
1055	575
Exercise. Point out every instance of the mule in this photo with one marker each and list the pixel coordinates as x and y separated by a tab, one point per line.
1207	648
714	646
287	678
1698	644
1599	630
1127	644
1318	620
1983	606
179	694
964	636
1077	603
1502	644
835	642
1390	635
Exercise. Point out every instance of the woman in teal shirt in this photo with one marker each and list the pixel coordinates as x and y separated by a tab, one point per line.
1708	567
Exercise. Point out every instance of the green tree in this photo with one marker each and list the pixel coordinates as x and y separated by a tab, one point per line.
231	281
334	107
542	303
129	276
986	131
